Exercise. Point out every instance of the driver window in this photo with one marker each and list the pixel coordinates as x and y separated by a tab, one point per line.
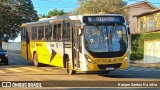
116	32
94	36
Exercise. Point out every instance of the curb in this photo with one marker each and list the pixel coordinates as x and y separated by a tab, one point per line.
156	66
14	52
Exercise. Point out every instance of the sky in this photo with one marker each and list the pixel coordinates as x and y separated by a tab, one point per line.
44	6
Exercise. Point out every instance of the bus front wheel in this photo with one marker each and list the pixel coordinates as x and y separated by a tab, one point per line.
70	71
105	72
35	60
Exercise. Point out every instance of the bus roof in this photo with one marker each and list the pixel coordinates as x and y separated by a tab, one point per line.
101	15
75	17
95	15
80	17
46	20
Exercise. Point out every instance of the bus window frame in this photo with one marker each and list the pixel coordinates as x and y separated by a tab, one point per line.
61	31
42	34
54	32
36	36
67	29
57	32
23	34
60	38
50	36
28	33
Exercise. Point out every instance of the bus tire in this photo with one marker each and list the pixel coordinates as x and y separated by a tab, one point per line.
68	67
6	62
35	60
64	60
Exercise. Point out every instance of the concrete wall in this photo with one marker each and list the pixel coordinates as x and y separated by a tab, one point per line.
152	52
11	45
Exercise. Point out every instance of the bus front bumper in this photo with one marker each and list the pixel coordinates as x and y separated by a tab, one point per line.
107	67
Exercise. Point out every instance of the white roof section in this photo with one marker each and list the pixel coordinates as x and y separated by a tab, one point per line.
48	20
75	17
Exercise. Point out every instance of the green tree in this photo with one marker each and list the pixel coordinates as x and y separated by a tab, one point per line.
54	12
97	6
12	15
26	10
42	16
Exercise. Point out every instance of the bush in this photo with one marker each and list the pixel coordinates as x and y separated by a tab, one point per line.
136	56
137	43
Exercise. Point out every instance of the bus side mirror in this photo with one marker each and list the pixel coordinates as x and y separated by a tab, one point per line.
128	30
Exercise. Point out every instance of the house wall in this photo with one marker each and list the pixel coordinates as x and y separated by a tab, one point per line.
149	22
134	10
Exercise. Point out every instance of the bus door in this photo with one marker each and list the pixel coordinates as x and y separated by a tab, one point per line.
24	42
76	44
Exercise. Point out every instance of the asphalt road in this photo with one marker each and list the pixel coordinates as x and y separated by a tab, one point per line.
23	71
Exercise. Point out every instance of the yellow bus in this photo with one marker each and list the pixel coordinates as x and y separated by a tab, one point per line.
93	42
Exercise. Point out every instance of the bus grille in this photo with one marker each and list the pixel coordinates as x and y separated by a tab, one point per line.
103	66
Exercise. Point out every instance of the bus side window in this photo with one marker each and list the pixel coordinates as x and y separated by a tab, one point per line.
59	32
68	32
40	32
34	33
48	32
55	31
23	33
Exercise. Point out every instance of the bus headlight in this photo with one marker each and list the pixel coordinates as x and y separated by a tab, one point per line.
88	59
126	59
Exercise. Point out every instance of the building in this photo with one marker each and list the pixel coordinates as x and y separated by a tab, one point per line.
149	21
134	9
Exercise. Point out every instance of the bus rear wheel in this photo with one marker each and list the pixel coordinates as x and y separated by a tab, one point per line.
35	60
70	71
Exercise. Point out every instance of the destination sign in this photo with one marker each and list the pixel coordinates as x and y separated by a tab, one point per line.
103	19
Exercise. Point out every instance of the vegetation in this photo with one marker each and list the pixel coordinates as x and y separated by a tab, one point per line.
12	15
104	6
137	44
97	6
54	12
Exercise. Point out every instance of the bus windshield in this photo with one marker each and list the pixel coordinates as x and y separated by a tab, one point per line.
105	38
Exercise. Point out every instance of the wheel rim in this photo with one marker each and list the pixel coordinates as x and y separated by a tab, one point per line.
35	59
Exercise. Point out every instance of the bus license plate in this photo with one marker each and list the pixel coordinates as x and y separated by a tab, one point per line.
109	68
